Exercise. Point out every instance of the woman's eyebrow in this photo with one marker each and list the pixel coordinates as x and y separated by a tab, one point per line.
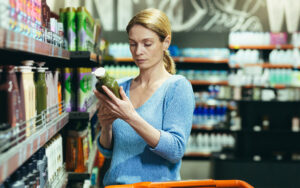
144	40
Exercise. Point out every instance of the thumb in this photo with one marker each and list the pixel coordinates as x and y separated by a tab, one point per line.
123	94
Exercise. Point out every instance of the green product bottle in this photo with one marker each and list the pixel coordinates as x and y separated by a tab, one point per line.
104	79
41	93
70	22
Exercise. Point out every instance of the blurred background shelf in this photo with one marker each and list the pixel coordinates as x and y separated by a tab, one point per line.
265	47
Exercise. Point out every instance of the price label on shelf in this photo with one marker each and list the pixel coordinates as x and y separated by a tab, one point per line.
22	155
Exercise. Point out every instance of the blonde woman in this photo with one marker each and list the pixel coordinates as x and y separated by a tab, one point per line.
145	133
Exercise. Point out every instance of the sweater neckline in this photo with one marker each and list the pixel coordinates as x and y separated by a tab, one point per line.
156	91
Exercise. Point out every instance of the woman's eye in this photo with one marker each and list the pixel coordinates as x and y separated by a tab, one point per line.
148	45
132	44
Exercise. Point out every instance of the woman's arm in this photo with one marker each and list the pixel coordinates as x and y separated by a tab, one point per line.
124	109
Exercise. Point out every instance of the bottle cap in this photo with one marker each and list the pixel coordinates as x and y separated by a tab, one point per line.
99	72
27	62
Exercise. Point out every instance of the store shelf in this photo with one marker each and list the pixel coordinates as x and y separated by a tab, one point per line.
209	129
85	115
84	59
199	60
266	65
183	59
123	59
197	156
263	47
204	82
13	41
16	156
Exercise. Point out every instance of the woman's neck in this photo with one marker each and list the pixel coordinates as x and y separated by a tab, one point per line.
152	75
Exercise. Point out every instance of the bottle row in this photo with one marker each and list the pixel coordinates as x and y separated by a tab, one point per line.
258	76
257	38
258	93
26	95
118	71
42	169
206	75
282	57
32	18
206	116
209	143
74	29
210	53
81	30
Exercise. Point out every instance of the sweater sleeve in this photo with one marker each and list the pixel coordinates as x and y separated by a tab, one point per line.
177	121
106	152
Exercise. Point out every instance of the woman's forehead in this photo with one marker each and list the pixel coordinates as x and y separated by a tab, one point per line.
138	32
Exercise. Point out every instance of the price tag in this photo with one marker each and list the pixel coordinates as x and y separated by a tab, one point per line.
39	142
47	135
31	148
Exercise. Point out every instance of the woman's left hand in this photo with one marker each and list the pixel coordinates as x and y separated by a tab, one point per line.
121	108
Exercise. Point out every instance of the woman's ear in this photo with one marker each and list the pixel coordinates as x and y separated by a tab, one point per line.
167	42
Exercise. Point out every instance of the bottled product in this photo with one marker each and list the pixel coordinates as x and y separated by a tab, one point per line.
29	96
105	79
67	91
70	22
84	28
10	97
41	93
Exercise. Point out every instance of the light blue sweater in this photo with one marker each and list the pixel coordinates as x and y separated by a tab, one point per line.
170	110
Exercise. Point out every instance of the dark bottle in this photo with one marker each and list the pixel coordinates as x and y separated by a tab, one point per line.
104	79
22	104
5	136
18	183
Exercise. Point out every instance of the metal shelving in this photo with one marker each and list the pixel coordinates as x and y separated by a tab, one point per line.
13	41
88	114
84	59
16	156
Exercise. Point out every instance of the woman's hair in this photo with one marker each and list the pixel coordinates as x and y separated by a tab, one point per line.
158	22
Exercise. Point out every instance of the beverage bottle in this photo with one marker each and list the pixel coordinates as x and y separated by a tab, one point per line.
41	93
105	79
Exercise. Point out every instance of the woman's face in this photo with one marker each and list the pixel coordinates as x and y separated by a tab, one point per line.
146	47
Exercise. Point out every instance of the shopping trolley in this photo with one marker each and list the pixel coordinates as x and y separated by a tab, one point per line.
188	184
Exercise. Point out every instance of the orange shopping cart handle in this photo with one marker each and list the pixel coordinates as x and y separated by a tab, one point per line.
188	184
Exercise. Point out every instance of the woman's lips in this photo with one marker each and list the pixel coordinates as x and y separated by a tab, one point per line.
140	60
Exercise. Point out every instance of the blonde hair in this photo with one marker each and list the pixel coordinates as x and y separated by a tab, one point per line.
158	22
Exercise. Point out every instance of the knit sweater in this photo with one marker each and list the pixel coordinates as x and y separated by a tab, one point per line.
169	110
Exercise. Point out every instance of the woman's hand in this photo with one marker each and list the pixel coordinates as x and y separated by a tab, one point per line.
119	108
105	117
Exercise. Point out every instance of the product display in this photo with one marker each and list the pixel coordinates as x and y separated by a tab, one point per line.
242	60
209	143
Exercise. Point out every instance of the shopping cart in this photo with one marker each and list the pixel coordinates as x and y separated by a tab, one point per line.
188	184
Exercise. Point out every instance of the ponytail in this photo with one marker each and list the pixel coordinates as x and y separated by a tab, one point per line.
169	63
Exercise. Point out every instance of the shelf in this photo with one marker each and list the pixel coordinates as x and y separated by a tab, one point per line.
84	59
16	156
262	47
123	59
182	59
210	129
204	82
266	65
199	60
197	156
13	41
85	115
258	101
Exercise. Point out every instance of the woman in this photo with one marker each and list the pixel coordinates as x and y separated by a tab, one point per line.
145	133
